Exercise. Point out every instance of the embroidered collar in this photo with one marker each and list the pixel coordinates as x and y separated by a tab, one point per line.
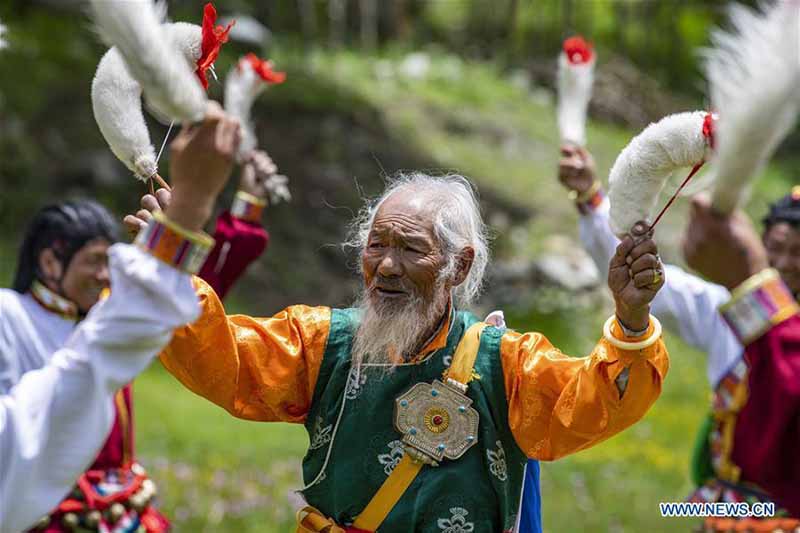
53	302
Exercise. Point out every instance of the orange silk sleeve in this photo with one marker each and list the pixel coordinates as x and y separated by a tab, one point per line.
558	405
255	368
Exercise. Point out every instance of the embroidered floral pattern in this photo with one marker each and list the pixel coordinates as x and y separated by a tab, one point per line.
321	435
497	462
457	523
355	380
390	460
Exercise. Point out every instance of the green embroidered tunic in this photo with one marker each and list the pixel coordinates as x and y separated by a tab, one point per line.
354	445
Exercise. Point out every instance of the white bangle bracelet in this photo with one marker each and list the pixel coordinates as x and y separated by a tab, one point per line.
625	345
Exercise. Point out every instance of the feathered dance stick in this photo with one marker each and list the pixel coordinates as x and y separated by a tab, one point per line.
643	167
244	83
575	78
172	92
117	106
754	75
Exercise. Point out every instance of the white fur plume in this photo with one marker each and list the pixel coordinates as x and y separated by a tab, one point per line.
575	79
643	167
134	27
117	102
117	106
753	73
244	82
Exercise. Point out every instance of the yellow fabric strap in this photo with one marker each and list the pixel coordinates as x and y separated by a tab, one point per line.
311	520
464	359
407	469
389	494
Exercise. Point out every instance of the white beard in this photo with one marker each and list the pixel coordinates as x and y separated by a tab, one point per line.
389	333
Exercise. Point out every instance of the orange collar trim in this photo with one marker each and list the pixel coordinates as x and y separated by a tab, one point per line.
439	339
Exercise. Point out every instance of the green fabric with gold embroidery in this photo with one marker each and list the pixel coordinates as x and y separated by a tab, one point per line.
478	492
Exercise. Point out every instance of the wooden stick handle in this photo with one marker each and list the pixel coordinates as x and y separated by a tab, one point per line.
161	182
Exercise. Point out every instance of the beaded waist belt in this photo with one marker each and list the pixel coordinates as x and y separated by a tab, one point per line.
114	500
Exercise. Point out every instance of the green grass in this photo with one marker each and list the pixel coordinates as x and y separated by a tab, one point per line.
215	472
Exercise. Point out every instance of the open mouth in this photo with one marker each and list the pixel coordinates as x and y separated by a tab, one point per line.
390	293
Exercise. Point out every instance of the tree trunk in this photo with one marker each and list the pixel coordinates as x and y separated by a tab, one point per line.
308	19
511	21
399	20
337	14
369	23
567	19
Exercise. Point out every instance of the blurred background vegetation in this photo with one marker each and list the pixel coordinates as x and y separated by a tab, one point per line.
375	87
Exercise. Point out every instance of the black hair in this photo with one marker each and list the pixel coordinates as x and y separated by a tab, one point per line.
65	228
787	209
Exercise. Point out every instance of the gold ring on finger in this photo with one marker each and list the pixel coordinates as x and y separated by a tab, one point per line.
657	276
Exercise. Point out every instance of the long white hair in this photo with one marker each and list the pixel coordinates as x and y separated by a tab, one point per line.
457	223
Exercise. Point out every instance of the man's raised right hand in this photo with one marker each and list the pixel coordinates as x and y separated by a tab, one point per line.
201	160
576	169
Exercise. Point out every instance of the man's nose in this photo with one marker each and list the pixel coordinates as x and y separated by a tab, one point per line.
103	275
389	265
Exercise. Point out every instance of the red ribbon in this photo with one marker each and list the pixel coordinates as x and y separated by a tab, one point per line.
264	69
708	133
708	128
213	38
578	50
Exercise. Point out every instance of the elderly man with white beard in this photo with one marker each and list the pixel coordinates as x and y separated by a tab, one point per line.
420	417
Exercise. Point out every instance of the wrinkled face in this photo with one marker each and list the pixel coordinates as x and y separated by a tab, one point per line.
87	275
402	258
782	242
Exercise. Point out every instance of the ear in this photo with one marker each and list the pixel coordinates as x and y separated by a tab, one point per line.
464	262
50	266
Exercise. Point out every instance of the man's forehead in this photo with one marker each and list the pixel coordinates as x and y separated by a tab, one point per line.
406	208
97	245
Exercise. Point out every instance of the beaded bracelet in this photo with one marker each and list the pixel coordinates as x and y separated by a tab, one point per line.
759	303
178	247
589	200
627	345
248	207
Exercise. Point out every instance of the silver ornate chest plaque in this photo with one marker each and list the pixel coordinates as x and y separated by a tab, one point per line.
436	421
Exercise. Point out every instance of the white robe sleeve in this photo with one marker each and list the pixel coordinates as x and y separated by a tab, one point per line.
686	304
53	422
597	237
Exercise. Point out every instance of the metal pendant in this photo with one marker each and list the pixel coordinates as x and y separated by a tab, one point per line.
436	422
